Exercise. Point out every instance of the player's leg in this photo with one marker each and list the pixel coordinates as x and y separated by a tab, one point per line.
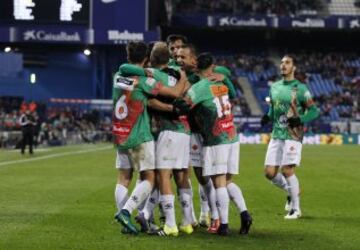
272	162
185	197
164	162
291	159
217	172
237	197
233	189
145	156
222	201
125	173
182	175
124	177
167	201
141	191
206	184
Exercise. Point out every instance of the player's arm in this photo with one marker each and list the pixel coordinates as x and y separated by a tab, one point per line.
131	70
178	90
311	111
155	104
219	77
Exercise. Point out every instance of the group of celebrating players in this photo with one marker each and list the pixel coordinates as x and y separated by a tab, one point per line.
172	113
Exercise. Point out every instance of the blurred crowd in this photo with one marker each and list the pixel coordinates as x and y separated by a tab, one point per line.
55	125
252	7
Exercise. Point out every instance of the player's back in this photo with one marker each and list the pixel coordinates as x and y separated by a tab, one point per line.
212	112
131	123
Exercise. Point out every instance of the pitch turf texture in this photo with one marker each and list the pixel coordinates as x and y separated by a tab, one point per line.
62	198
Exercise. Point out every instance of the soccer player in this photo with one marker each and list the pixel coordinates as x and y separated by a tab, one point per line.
172	149
187	58
174	43
220	155
291	106
131	129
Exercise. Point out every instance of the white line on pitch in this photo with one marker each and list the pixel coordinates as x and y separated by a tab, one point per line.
6	163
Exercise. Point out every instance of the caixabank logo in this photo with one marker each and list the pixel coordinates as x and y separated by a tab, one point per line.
42	35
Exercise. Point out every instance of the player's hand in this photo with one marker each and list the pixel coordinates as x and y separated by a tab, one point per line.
180	107
215	77
264	120
294	122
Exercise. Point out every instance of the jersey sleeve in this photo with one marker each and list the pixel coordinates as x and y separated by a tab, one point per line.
150	85
311	111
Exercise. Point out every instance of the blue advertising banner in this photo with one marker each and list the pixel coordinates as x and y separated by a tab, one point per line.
240	21
262	21
4	34
50	34
119	21
352	23
308	22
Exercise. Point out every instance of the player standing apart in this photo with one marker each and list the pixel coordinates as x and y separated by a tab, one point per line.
291	106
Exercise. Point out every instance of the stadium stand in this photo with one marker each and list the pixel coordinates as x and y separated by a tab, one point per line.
278	7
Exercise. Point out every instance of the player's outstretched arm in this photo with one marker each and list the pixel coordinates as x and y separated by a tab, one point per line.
127	69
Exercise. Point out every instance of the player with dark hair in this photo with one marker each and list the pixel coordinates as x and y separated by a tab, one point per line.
211	110
291	105
132	134
174	43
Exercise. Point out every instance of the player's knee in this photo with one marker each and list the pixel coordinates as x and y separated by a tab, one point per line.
149	176
270	173
124	177
203	180
288	171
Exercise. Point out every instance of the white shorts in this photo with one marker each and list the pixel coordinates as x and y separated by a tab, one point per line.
283	153
139	158
221	159
196	147
172	150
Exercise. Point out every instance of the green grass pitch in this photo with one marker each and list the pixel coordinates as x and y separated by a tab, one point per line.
62	198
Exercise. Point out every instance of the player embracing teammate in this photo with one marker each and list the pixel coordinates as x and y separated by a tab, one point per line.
191	99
